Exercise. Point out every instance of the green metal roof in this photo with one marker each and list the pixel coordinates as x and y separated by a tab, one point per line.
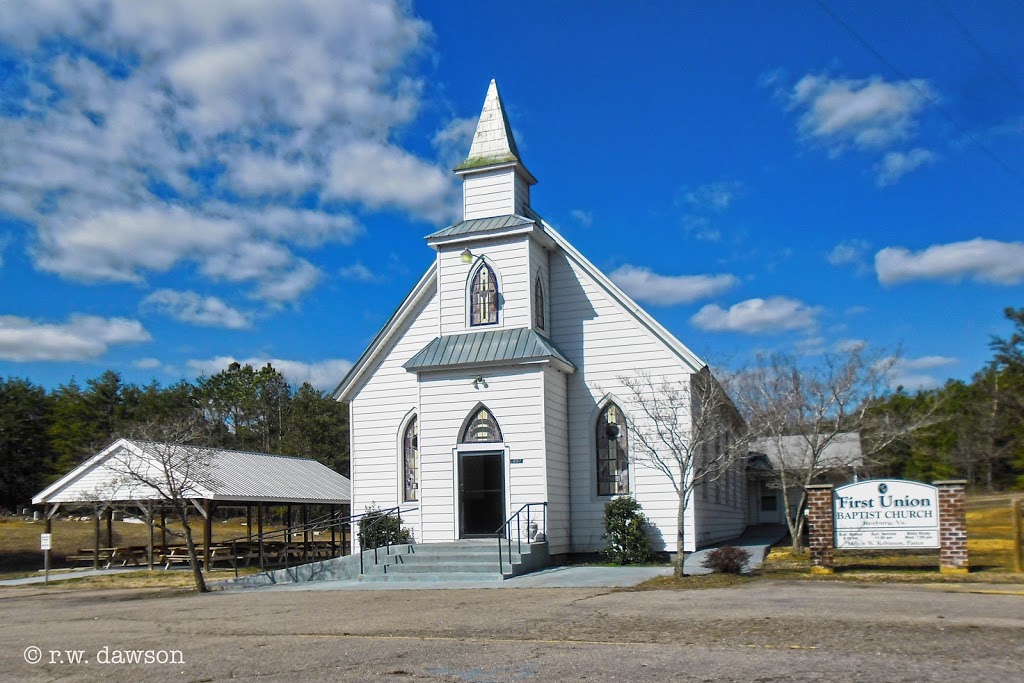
492	347
482	225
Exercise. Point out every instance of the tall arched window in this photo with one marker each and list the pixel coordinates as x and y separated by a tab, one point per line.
411	461
482	428
538	304
483	297
612	452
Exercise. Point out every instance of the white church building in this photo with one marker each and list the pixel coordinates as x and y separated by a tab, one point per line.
496	383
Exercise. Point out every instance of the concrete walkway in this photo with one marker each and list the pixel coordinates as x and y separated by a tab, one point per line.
756	540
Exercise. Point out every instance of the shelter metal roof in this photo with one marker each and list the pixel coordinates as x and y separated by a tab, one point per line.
492	347
482	225
217	474
844	450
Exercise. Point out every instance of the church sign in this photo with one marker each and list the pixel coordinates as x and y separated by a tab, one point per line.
886	514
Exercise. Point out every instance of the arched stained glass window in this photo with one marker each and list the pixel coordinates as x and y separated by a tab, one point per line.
538	303
483	297
612	452
411	461
482	428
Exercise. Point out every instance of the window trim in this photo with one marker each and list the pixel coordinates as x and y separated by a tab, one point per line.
622	461
471	419
409	423
472	293
539	313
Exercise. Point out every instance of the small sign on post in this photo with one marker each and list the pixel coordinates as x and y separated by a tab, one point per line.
45	542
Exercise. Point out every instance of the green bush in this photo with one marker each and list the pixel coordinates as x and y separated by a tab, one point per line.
626	530
377	530
727	559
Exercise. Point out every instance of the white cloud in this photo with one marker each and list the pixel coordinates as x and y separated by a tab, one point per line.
82	337
867	113
713	197
668	290
192	308
147	363
982	260
357	272
850	345
382	175
895	165
453	141
908	372
844	253
584	218
323	375
775	314
176	131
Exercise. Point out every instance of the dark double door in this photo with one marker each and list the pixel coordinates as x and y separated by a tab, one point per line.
481	494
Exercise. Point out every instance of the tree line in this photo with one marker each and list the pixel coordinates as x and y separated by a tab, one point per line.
44	434
978	430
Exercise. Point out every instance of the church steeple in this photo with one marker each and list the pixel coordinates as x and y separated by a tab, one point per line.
495	181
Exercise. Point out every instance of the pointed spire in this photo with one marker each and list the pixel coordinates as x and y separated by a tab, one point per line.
493	142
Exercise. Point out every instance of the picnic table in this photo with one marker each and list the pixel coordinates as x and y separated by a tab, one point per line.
108	556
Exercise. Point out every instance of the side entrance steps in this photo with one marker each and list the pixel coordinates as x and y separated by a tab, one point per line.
426	563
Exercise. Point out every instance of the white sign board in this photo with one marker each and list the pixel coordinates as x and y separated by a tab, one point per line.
886	514
44	541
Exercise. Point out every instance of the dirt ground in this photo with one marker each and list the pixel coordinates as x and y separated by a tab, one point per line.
762	631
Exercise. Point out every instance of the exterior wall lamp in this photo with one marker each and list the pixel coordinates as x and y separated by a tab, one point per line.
480	382
466	256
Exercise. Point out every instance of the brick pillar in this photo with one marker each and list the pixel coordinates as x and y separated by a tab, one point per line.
952	526
820	526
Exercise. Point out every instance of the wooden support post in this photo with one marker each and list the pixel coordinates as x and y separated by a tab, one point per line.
96	539
334	525
248	522
208	508
1018	535
259	533
110	527
163	531
305	532
150	511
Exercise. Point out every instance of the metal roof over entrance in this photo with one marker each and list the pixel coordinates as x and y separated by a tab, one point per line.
493	347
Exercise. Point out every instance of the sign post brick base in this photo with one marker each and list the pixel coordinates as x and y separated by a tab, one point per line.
953	557
820	528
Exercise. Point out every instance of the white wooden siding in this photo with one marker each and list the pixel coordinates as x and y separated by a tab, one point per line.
522	195
489	193
378	411
604	342
509	259
515	398
726	519
556	436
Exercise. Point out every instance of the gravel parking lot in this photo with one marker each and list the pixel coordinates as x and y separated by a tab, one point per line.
762	631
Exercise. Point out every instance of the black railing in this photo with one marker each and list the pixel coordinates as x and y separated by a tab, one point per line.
377	520
264	543
535	529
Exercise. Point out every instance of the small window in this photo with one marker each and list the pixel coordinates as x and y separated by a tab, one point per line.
538	304
612	452
482	428
411	461
769	503
483	297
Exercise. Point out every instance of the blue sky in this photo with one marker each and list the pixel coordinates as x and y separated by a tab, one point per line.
185	184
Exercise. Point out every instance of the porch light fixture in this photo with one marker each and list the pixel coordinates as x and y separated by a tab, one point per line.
466	256
480	382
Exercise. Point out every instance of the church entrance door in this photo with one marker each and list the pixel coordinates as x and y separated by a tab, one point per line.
481	494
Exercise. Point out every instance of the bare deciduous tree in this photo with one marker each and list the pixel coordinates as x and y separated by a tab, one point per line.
783	397
691	433
173	470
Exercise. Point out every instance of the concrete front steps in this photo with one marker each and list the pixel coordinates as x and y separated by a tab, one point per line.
422	563
470	560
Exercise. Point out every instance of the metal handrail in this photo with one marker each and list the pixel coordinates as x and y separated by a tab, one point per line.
379	517
504	531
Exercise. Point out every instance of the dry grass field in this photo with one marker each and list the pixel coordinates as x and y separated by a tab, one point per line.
19	539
